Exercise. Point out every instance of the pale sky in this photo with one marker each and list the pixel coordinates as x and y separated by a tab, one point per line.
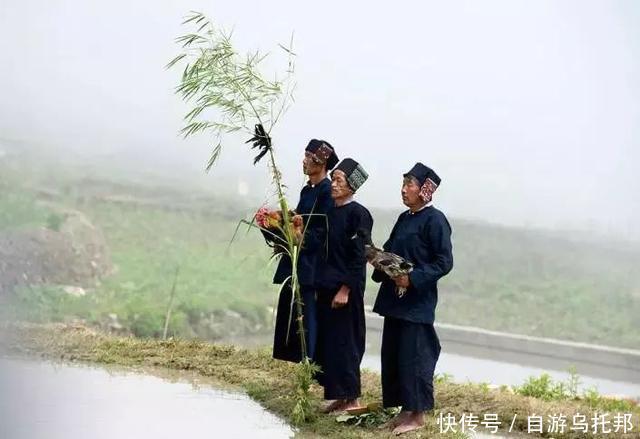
529	110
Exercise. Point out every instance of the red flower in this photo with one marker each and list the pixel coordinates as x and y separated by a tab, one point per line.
262	217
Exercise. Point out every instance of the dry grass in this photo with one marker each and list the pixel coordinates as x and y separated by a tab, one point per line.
270	382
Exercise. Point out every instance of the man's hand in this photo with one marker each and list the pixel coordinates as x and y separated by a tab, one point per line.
298	228
341	298
402	281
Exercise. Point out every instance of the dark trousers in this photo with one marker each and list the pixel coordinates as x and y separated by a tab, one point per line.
409	355
341	338
286	341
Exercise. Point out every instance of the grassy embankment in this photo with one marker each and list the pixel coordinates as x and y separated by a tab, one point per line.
269	382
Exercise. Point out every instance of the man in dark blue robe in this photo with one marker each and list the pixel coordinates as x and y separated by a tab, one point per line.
341	284
410	345
315	203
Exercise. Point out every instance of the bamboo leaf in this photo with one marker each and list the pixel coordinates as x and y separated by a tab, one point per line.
215	77
214	156
175	60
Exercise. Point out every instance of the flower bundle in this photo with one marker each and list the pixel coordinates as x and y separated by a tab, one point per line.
229	94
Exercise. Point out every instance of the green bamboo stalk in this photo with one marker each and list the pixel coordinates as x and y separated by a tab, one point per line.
217	80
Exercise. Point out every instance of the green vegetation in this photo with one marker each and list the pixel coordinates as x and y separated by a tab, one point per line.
215	283
545	388
19	209
543	284
269	381
506	279
215	77
537	283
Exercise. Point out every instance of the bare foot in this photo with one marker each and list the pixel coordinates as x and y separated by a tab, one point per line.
350	404
394	422
332	406
412	421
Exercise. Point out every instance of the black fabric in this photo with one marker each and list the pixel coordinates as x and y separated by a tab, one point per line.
346	262
314	144
317	200
341	343
355	174
422	172
286	341
341	331
347	166
424	239
314	200
409	355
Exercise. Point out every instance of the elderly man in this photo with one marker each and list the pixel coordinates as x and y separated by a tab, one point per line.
315	201
410	345
341	283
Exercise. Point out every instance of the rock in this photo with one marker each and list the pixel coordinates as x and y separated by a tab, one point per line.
76	254
232	314
114	324
75	291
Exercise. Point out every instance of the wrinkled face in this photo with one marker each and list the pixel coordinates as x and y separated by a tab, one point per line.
311	165
339	186
411	192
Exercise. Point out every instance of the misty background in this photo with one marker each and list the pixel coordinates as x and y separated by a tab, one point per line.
528	110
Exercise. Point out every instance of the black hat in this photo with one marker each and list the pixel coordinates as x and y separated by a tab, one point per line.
422	173
324	151
356	175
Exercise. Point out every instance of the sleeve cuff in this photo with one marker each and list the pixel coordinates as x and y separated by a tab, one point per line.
414	279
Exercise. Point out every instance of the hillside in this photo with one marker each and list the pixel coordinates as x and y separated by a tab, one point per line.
517	280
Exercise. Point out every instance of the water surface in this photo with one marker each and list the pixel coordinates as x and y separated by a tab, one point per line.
61	401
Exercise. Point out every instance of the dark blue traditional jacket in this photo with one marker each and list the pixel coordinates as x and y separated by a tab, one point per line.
347	262
314	199
423	238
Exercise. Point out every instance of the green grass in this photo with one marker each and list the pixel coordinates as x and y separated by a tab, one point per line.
147	246
19	209
537	283
540	284
216	281
506	279
270	381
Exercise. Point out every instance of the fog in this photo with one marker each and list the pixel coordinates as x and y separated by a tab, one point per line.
529	111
